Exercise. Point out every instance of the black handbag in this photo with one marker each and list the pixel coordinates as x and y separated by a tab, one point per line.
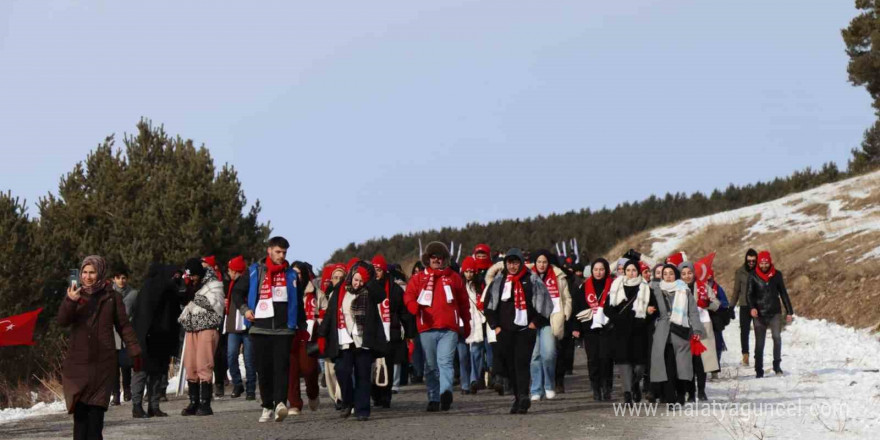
313	349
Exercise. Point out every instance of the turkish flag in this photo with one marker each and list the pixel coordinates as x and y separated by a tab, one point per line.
703	267
18	329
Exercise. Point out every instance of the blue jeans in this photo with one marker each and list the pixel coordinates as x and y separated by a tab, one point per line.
234	343
395	383
439	346
543	365
468	366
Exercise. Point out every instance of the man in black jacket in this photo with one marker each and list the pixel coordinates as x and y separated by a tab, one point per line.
739	297
766	288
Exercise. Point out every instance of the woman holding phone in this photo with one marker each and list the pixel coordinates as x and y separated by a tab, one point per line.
92	310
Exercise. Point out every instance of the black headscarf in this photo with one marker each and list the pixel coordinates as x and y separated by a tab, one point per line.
599	285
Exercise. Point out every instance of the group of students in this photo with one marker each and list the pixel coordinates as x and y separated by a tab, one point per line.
510	322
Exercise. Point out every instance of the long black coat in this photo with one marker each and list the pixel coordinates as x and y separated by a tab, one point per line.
155	318
630	336
374	334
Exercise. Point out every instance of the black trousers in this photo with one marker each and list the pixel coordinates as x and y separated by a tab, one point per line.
699	375
273	365
564	357
745	324
353	373
599	362
88	422
125	374
514	349
673	390
220	366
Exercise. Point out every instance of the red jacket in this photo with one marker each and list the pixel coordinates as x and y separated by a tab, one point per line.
440	315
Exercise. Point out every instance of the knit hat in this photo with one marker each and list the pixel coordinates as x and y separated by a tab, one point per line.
193	267
686	264
211	260
379	261
237	264
482	247
621	262
765	256
469	263
435	248
643	266
676	258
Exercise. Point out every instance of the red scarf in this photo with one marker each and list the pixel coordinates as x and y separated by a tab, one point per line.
432	274
765	256
590	293
229	294
550	281
311	305
274	277
482	264
385	306
340	316
519	294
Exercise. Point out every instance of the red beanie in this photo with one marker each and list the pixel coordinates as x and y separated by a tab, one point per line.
211	260
379	261
483	248
237	264
643	266
351	263
364	273
765	256
469	263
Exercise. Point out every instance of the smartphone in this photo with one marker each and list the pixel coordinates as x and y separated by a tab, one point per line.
73	278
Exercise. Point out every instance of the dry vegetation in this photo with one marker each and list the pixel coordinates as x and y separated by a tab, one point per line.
827	279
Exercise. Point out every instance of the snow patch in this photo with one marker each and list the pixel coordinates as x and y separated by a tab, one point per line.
39	409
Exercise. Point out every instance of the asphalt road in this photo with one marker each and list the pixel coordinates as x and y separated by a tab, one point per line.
573	415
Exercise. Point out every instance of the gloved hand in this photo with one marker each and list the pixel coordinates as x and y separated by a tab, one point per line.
137	364
732	312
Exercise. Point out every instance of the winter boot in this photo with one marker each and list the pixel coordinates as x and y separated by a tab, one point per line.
637	394
115	400
597	393
627	398
745	361
498	384
777	369
193	406
155	412
237	390
445	400
524	404
205	400
702	395
219	389
137	411
515	408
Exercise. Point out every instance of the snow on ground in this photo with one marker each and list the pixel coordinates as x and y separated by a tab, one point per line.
789	213
830	389
40	409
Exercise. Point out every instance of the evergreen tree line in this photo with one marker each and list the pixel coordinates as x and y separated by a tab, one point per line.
162	200
596	231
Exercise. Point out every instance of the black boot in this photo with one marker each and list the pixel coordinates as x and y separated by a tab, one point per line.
219	389
597	393
155	412
237	390
627	398
515	408
499	385
606	393
777	369
137	411
524	404
702	395
205	400
115	400
193	406
637	393
445	400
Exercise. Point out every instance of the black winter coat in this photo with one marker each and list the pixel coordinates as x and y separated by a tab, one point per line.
630	335
374	334
765	295
155	318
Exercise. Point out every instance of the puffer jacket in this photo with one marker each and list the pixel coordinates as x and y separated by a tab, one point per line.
765	295
205	311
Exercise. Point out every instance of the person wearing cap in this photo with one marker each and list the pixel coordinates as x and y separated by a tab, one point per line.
355	336
271	311
518	304
437	298
220	364
201	319
394	319
765	290
238	339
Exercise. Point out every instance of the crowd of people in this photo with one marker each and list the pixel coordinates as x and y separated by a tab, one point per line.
509	323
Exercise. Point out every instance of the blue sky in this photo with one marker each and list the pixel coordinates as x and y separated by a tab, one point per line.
399	116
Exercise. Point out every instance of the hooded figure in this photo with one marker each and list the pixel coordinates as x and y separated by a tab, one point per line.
517	305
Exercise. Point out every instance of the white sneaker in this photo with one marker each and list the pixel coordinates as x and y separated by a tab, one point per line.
294	411
313	403
267	415
280	412
550	394
536	397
